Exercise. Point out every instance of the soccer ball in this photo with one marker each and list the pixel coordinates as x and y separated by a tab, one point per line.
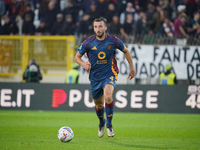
65	134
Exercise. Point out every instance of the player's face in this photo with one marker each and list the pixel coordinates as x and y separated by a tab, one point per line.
99	28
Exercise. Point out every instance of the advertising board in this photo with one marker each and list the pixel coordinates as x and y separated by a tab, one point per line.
127	98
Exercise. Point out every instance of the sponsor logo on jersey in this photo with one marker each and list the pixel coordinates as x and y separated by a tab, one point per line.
101	55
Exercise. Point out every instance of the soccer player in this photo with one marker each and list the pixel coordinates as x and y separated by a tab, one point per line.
103	70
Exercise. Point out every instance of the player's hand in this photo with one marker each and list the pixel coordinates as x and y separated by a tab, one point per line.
87	65
131	74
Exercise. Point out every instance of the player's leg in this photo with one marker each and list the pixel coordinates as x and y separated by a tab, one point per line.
109	107
97	94
99	107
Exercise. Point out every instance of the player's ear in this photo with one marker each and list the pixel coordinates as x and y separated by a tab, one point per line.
105	27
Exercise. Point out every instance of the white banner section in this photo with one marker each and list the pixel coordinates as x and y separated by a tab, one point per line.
150	61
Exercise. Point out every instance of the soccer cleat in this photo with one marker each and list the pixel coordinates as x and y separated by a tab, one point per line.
110	131
101	129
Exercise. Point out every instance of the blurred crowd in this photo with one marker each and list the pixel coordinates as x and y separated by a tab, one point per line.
171	18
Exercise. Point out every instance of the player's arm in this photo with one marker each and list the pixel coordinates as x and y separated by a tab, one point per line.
130	61
78	59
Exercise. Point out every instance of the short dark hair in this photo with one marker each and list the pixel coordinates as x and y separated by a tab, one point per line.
101	19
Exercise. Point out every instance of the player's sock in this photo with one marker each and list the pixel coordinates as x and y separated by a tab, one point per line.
100	115
109	113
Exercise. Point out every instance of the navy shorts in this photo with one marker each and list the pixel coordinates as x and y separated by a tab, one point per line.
97	87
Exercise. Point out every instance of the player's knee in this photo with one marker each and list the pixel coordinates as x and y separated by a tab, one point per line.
99	107
108	98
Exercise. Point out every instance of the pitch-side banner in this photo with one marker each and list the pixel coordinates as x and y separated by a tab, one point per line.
127	98
150	60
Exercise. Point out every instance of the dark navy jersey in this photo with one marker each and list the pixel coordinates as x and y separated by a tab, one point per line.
101	55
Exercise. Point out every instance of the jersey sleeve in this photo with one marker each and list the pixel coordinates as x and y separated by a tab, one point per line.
120	44
81	49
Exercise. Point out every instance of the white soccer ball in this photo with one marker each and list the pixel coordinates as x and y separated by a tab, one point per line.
65	134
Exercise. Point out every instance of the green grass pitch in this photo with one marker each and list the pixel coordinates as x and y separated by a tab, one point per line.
37	130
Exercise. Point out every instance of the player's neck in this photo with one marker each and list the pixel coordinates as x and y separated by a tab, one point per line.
101	38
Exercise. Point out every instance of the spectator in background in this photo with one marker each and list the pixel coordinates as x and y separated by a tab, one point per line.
149	13
191	7
140	25
93	13
42	6
42	29
9	28
49	15
13	9
167	28
87	4
127	28
172	9
115	26
150	38
22	7
72	76
68	27
77	5
157	20
136	6
178	25
167	7
70	9
110	12
28	27
121	5
57	26
84	26
32	72
103	7
129	10
195	24
168	77
29	12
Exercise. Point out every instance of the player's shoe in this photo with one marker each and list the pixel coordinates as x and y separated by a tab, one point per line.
110	131
101	129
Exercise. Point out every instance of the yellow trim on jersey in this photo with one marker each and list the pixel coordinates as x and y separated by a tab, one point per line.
113	70
89	74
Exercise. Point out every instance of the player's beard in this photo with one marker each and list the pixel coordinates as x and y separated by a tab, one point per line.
99	35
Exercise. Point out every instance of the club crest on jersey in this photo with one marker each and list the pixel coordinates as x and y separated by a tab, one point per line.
108	47
94	48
